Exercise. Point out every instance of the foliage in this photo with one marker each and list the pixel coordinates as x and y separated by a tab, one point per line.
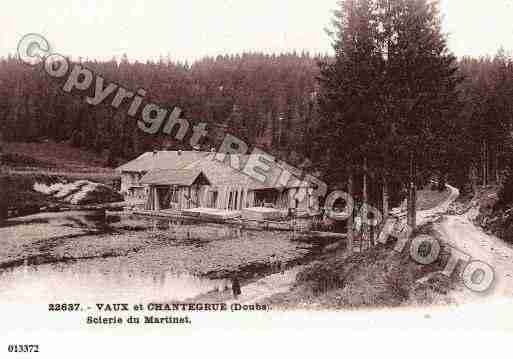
392	90
264	99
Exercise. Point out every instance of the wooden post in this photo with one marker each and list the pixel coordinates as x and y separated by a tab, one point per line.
156	206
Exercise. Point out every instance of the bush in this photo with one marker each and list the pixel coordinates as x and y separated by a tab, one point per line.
506	193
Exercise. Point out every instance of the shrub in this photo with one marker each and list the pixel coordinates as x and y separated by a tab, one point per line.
506	193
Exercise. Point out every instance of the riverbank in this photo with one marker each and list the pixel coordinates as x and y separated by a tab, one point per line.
377	278
88	242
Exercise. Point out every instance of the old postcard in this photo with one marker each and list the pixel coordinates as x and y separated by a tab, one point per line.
248	178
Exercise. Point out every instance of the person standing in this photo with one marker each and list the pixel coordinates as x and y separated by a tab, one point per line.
236	287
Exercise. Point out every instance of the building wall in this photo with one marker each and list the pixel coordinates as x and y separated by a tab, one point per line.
223	197
226	198
129	179
136	196
233	198
178	197
299	198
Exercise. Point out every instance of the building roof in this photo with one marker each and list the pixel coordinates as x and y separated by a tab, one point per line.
171	167
222	174
174	177
162	160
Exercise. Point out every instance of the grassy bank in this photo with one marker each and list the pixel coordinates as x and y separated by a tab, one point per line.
379	277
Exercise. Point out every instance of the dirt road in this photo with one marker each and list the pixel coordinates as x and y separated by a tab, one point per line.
461	233
431	214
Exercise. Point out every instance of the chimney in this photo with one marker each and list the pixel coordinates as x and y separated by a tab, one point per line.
155	156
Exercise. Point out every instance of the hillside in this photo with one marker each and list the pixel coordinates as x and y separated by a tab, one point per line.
52	157
24	164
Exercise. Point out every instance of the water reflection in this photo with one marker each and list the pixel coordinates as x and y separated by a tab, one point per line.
85	256
82	283
180	229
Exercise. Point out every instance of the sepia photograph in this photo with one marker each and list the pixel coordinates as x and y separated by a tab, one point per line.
171	171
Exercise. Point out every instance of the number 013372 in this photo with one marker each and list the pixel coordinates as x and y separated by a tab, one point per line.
25	348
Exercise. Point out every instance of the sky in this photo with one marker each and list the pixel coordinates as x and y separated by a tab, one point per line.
190	29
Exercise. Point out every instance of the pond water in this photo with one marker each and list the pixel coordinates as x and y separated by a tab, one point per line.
75	283
82	256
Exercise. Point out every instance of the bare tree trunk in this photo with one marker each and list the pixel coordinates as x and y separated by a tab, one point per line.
385	198
365	203
349	223
485	163
474	178
497	174
483	170
412	197
412	213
